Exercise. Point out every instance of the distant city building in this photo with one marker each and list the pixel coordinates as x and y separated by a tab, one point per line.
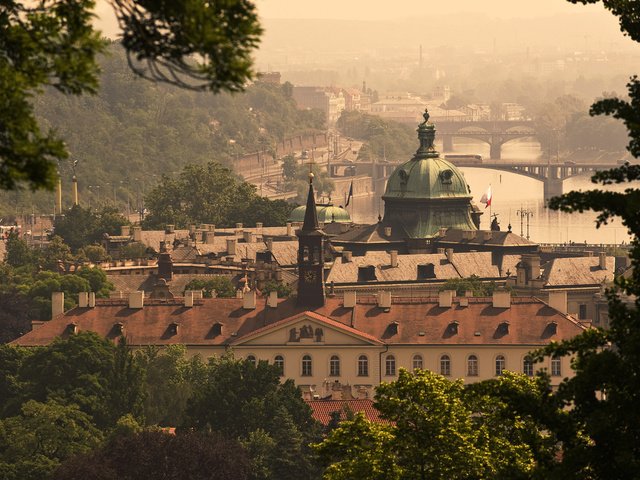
329	102
269	77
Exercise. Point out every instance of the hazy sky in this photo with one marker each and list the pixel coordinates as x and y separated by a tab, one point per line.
385	9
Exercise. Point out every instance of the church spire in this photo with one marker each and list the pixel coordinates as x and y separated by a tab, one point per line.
310	214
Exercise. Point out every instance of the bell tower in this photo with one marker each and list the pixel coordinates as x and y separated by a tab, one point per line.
310	255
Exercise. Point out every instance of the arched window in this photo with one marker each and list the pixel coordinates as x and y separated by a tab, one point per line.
278	361
500	364
251	359
306	366
363	366
445	365
527	366
417	362
472	366
334	366
390	365
556	367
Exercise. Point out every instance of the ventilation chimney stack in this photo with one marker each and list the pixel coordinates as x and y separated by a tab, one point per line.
445	298
394	258
57	304
501	299
83	299
558	300
349	300
272	300
188	299
136	299
249	300
602	260
231	246
384	300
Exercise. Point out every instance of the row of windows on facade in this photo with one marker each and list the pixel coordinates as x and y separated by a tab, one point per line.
416	363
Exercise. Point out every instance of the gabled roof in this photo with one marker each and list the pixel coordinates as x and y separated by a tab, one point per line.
313	316
578	271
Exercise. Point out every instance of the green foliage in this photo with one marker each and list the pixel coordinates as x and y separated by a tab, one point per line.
169	383
210	194
383	139
220	284
154	454
81	227
237	398
35	442
133	250
283	289
42	44
359	449
54	44
94	253
299	181
470	284
605	389
88	371
440	430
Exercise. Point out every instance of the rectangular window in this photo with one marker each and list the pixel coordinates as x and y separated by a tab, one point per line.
556	367
582	311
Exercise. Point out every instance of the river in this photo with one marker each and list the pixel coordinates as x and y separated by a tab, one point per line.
513	194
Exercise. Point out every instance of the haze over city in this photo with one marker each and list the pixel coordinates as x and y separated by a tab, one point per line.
303	240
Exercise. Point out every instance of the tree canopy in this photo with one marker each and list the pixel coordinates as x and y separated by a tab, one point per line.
210	193
193	44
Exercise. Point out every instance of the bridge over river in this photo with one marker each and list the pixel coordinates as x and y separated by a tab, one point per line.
552	175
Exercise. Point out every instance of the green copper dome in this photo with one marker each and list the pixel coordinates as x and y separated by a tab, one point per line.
326	214
426	175
427	193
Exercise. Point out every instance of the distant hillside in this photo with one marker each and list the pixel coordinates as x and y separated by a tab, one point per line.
133	131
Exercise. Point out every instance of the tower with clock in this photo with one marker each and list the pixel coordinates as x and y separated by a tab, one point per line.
310	255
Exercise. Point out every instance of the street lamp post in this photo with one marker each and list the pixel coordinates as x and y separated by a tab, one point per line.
524	213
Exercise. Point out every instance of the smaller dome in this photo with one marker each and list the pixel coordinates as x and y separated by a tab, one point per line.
326	214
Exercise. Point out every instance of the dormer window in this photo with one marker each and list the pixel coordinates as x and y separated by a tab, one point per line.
503	328
172	329
393	328
453	327
426	271
72	328
118	328
367	273
216	330
446	176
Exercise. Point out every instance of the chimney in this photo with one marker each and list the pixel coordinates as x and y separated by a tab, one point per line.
558	300
188	298
602	260
394	258
269	243
387	232
57	304
468	234
349	300
208	236
137	233
83	299
196	294
346	256
231	246
192	228
136	299
501	299
449	253
442	231
440	251
92	300
125	230
384	300
238	226
248	236
445	298
170	228
272	300
249	300
259	226
289	230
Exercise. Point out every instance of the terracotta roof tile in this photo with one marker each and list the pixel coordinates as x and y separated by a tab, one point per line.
578	271
322	409
420	321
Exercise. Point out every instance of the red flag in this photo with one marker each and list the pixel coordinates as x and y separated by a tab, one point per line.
486	197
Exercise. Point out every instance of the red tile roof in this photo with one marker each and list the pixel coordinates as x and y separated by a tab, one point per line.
420	321
322	409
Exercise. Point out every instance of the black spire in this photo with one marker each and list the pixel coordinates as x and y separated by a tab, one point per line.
310	214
